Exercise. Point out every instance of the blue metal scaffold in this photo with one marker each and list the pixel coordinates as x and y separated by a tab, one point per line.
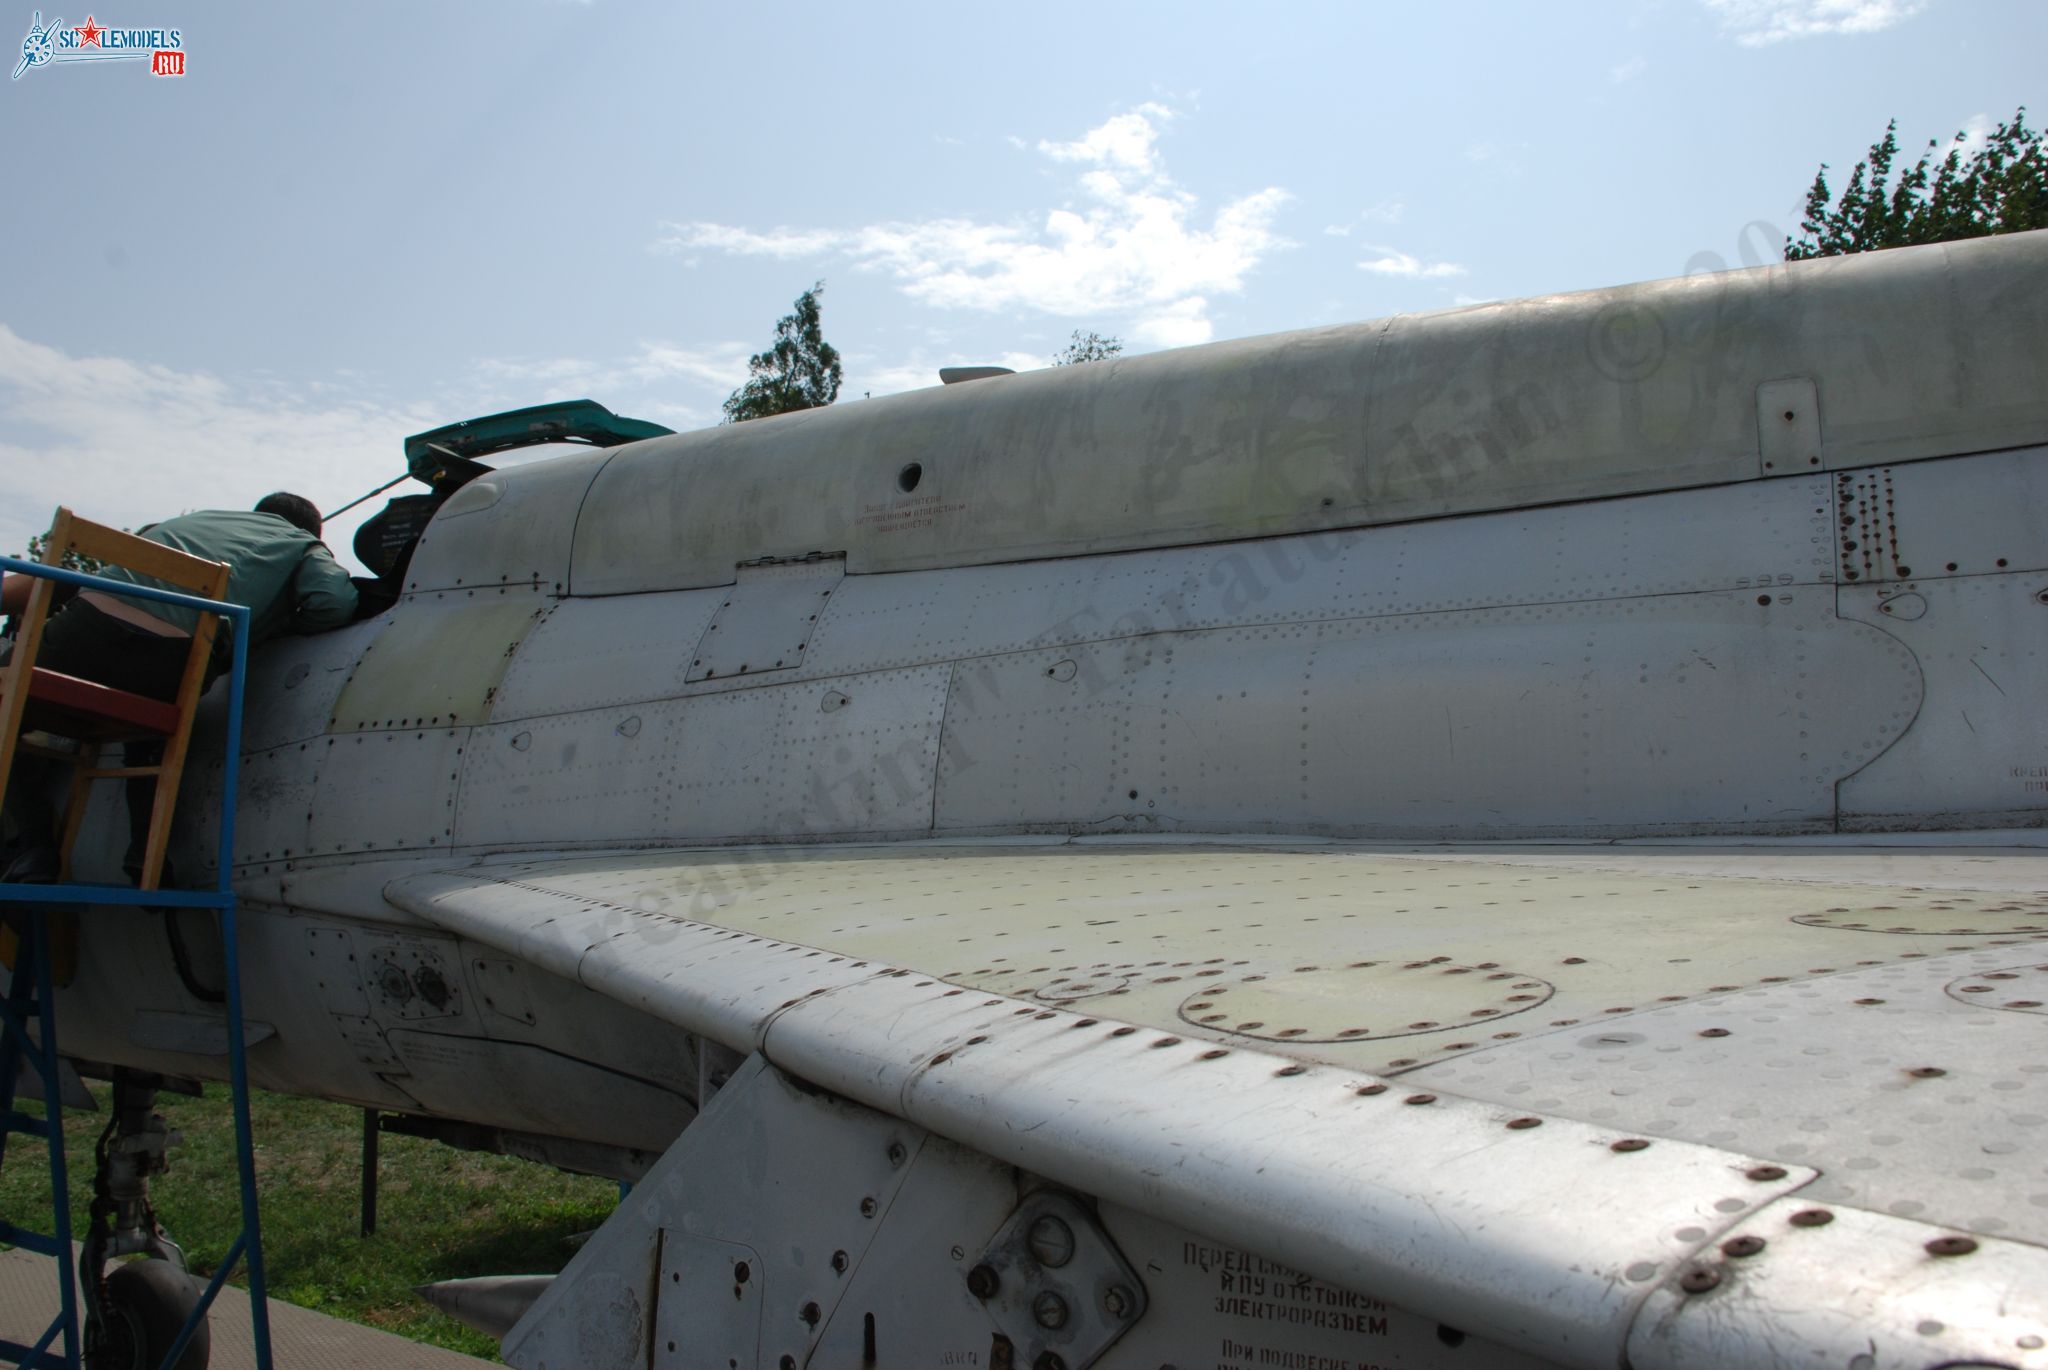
31	996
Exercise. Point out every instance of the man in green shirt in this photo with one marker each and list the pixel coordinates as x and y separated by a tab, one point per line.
277	566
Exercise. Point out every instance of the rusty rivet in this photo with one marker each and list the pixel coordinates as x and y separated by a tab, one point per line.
1699	1280
1122	1031
810	1314
1215	1055
839	1262
1764	1173
1420	1099
1518	1124
1167	1042
1630	1144
982	1282
1812	1217
1951	1246
1292	1070
1713	1032
1742	1246
1370	1090
1926	1072
867	1208
1869	1001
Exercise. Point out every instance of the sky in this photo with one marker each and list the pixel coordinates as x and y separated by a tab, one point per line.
344	224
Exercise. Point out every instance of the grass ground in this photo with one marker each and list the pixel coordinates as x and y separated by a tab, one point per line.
442	1213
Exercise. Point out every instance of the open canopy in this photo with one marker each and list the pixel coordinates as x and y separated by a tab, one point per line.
450	456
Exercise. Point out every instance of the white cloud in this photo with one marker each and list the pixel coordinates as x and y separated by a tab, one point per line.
1392	262
1384	212
127	442
1975	130
1498	159
1627	71
1128	141
1757	23
1126	243
776	242
718	366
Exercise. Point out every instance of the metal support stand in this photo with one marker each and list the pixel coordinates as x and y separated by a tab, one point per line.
26	908
370	1172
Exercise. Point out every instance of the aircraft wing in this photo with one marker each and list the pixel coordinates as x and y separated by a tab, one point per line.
1531	1090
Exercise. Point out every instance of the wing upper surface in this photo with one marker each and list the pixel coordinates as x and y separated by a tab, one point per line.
1229	1036
1367	958
1525	975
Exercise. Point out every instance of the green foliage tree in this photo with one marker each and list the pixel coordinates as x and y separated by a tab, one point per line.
2002	187
72	561
1089	347
799	371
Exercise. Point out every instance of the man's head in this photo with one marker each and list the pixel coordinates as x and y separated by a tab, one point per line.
296	510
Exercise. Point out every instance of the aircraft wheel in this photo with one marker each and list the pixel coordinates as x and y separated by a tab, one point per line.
147	1304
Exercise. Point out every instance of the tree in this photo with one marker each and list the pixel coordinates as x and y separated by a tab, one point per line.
2002	187
799	371
71	561
1089	347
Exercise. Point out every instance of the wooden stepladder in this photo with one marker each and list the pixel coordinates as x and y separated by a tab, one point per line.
34	698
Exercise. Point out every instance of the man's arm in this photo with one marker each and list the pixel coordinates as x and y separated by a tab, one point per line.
14	594
323	596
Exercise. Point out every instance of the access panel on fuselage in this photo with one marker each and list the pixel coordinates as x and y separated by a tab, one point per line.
765	620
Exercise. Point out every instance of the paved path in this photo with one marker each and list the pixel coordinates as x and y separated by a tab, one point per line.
300	1339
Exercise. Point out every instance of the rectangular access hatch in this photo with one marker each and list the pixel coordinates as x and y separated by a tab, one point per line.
765	622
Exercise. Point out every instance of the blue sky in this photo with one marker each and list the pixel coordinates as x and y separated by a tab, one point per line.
346	224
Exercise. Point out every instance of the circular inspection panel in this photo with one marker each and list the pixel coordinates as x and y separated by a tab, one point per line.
1950	915
2021	989
1086	987
1364	1001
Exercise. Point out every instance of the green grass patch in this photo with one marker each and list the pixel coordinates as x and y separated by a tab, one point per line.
442	1213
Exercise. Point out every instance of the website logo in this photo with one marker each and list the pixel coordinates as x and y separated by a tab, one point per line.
58	43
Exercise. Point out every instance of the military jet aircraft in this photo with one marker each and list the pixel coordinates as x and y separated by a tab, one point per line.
1504	837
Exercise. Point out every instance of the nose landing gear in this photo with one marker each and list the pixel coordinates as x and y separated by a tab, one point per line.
135	1311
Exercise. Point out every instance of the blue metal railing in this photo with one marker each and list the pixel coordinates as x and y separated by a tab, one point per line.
35	941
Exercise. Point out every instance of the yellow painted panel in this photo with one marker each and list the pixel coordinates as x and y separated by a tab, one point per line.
434	666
